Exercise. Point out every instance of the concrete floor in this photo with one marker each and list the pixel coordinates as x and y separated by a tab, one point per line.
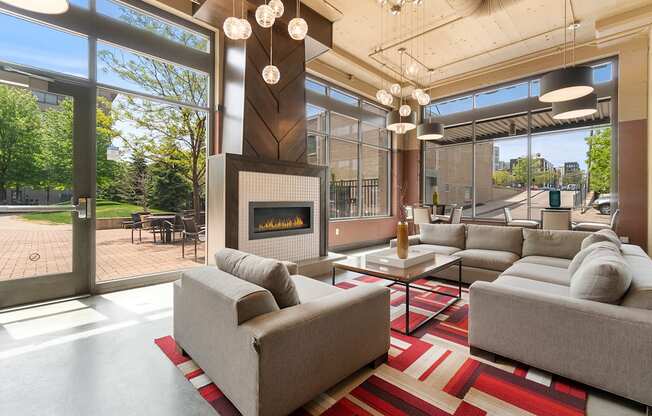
96	356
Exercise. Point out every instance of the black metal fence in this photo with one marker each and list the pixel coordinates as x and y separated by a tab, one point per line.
345	197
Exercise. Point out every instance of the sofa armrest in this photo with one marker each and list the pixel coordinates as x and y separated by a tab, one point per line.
307	348
293	268
603	345
413	240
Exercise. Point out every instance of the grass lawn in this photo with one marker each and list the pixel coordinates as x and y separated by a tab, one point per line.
104	209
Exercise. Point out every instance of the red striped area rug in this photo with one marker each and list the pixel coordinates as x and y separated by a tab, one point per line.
428	373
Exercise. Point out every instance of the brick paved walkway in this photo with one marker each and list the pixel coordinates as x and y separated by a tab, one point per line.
50	248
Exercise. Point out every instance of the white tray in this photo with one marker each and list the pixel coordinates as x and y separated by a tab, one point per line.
389	257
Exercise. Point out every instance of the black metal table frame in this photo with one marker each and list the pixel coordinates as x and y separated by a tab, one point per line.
408	286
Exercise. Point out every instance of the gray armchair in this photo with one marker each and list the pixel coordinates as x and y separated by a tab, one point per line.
271	361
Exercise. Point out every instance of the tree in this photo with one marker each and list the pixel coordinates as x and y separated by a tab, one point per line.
502	178
520	170
164	123
168	189
599	161
138	174
20	131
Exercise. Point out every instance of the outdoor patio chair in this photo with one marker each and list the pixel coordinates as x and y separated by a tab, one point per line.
596	226
139	223
192	232
511	222
176	227
456	215
130	223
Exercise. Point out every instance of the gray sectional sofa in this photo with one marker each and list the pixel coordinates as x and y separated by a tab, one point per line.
566	302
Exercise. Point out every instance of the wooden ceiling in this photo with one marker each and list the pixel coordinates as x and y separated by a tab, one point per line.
448	42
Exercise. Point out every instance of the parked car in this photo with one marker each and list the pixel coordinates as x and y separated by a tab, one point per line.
603	204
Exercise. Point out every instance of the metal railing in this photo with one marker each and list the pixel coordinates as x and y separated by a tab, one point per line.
345	197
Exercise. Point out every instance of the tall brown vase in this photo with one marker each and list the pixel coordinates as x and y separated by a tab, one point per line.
402	243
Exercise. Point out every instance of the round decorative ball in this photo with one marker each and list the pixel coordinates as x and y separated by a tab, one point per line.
388	99
380	94
423	99
232	28
416	93
395	89
405	110
298	28
277	6
265	16
412	70
245	29
271	74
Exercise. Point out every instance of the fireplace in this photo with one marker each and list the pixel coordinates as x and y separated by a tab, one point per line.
279	219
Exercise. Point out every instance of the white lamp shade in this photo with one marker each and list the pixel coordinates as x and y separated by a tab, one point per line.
579	107
265	16
41	6
399	124
298	28
232	28
566	84
277	6
430	131
271	74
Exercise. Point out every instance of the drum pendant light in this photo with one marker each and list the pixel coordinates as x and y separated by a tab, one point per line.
430	131
569	82
579	107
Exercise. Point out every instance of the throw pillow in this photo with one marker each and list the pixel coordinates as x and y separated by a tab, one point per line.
608	246
604	276
267	273
450	235
602	235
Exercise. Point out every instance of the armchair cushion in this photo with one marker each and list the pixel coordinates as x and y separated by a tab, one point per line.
267	273
487	259
558	243
488	237
607	246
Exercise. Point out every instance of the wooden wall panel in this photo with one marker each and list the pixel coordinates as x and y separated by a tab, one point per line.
274	115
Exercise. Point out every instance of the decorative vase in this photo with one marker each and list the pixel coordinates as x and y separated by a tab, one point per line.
435	198
402	243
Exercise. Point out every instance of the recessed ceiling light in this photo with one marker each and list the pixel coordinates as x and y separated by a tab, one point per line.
41	6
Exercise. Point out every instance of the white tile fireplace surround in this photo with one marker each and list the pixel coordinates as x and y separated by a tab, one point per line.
270	187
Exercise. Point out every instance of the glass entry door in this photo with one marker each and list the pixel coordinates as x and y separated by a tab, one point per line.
46	177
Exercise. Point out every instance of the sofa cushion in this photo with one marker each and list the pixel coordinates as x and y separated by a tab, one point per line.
579	257
450	235
552	243
533	285
633	250
604	276
540	272
602	235
546	261
487	259
310	289
489	237
267	273
639	294
439	249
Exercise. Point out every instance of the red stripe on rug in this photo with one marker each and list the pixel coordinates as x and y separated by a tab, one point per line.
376	402
467	409
435	365
410	355
210	392
400	396
520	397
346	407
169	348
458	383
194	374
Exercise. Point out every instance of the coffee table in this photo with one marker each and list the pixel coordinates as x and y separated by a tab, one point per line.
406	277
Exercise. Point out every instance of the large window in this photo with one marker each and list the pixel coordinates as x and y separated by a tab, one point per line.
514	161
347	134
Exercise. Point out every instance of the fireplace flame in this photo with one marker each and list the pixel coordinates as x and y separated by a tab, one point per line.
279	224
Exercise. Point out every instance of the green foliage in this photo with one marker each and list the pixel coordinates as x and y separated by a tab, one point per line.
104	209
168	189
502	178
599	161
520	170
20	131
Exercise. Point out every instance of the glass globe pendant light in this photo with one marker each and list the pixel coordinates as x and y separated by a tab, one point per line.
298	28
423	99
395	89
41	6
245	26
405	110
412	70
265	16
271	74
233	28
277	6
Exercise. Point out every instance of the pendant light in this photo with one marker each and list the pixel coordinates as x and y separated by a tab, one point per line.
277	6
382	95
579	107
567	83
245	26
41	6
404	119
271	74
265	15
298	28
233	28
430	131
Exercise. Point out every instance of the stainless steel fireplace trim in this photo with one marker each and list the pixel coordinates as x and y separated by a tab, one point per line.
282	204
